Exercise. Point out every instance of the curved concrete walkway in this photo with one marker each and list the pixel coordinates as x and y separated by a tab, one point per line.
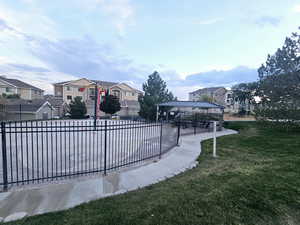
54	197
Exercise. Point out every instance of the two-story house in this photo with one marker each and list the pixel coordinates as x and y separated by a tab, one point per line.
85	89
219	95
25	91
216	94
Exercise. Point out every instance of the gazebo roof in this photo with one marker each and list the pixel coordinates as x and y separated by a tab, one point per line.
186	104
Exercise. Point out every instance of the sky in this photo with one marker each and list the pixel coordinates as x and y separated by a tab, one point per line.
191	43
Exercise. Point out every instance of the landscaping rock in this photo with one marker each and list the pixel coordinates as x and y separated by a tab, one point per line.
15	216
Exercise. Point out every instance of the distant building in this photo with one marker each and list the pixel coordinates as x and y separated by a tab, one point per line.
20	109
25	91
85	89
59	106
219	95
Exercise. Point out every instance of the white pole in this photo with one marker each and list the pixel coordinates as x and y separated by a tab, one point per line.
215	139
157	110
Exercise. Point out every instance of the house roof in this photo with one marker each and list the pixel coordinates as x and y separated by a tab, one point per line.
99	82
210	89
33	106
54	101
104	83
185	104
19	84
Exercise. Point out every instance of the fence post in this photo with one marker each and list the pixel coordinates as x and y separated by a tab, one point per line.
4	157
160	140
105	145
96	105
215	140
178	131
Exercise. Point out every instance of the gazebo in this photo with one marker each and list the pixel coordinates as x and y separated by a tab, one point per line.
190	106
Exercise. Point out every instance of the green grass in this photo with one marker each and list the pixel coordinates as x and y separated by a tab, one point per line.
255	180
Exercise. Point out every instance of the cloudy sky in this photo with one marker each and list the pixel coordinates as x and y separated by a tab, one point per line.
192	43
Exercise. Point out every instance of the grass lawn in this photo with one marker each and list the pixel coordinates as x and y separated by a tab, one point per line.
255	180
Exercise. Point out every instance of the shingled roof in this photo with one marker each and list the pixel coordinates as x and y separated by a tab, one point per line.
19	84
204	90
26	105
104	83
99	82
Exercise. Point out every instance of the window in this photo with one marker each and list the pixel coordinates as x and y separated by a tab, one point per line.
92	91
69	97
8	89
45	115
116	93
68	88
132	94
35	91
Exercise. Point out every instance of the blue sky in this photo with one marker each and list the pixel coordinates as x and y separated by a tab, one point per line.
192	43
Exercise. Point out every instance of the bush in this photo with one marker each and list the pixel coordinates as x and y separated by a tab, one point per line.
77	109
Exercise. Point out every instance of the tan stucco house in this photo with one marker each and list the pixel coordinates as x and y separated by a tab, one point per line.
25	91
85	89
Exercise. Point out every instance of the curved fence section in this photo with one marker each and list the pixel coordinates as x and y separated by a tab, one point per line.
36	151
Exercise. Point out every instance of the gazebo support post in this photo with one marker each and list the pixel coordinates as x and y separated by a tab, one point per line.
157	110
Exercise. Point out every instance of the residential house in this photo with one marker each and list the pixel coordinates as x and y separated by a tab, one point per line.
20	109
219	95
85	89
59	106
25	91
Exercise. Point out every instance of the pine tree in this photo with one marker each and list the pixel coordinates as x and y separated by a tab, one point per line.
155	92
110	104
77	108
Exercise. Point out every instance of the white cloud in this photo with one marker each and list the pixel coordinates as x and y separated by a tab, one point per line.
30	21
296	8
121	13
37	76
209	21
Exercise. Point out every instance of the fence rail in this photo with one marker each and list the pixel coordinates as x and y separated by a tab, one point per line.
35	151
38	151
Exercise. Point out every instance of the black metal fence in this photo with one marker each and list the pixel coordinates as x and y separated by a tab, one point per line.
36	151
188	127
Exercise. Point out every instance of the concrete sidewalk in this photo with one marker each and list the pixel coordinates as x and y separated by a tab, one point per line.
33	200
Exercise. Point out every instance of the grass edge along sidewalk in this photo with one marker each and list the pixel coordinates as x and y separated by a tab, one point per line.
254	180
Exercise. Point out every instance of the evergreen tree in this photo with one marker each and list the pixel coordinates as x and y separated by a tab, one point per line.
279	84
110	104
285	60
155	92
77	108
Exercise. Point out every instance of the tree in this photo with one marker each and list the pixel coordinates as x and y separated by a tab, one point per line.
279	85
244	94
77	108
285	60
11	96
155	92
110	104
206	98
